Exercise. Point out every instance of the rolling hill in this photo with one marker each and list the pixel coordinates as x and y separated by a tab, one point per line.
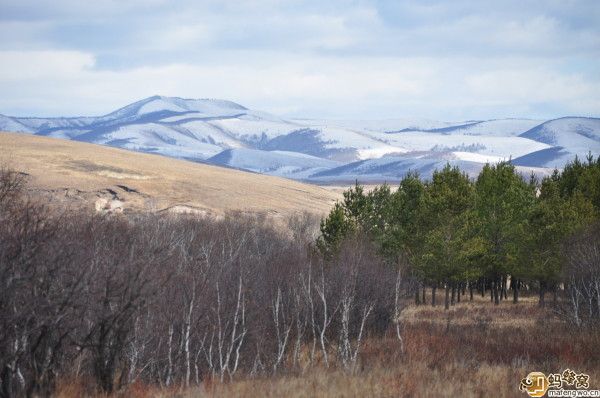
76	173
278	163
568	137
228	134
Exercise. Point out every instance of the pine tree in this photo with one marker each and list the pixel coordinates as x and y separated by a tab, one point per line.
448	198
334	229
405	224
356	204
503	202
552	220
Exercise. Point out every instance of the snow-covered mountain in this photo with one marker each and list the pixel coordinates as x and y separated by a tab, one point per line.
280	163
327	151
393	168
567	137
501	127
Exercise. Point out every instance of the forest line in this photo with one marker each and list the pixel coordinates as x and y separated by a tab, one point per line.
495	232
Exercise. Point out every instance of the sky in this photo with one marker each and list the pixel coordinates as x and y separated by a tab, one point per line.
444	60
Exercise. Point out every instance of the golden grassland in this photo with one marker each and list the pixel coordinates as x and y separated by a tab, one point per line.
475	349
70	172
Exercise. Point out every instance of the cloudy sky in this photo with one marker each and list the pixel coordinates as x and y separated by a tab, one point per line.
450	60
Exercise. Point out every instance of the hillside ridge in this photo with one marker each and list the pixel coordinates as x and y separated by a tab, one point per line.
106	178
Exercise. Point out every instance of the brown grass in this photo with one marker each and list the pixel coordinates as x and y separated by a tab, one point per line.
474	350
81	173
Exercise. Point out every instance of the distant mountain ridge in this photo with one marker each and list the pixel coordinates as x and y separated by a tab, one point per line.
225	133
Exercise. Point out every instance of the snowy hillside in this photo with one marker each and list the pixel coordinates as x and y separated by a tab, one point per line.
280	163
174	105
393	168
10	124
568	136
228	134
500	128
382	126
502	147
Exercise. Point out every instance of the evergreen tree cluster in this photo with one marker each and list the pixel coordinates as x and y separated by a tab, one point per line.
497	232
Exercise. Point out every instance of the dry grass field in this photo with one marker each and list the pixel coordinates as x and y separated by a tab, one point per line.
76	173
475	349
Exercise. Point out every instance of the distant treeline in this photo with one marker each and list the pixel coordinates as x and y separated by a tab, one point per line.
174	300
497	232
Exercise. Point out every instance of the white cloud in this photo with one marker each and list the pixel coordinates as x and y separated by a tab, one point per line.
320	80
442	60
534	85
29	66
317	86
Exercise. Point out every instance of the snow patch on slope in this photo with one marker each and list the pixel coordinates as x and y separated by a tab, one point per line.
280	163
568	137
226	133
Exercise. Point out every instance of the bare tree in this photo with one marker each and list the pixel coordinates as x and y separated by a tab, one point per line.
582	276
282	326
175	299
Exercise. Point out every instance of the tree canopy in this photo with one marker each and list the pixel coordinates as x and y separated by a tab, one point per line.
454	230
